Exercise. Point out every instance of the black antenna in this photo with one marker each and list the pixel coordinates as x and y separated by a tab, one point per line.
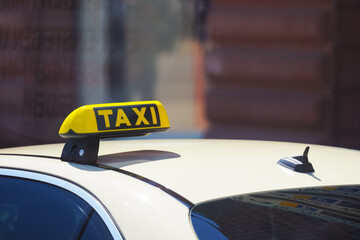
305	155
306	166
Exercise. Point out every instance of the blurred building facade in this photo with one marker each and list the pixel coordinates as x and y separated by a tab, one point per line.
283	70
58	55
38	60
265	69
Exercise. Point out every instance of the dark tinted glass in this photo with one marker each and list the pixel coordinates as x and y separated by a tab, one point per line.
96	229
35	210
311	213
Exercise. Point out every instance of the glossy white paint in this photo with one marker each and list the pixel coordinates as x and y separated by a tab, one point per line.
209	169
139	209
199	170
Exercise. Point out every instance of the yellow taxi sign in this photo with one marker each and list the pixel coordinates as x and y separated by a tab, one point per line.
115	120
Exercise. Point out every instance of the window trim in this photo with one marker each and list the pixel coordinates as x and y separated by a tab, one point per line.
71	187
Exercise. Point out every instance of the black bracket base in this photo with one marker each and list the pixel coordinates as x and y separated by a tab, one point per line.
81	150
303	167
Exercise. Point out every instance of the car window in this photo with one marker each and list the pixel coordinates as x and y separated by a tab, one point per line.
306	213
96	229
34	210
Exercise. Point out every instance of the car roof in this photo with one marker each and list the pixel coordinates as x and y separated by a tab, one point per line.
203	170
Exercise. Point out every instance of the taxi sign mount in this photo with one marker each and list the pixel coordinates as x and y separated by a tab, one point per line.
87	124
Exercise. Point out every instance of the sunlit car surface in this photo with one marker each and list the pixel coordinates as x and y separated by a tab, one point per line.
181	189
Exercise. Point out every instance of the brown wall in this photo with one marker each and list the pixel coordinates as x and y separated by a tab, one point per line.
347	87
38	43
284	70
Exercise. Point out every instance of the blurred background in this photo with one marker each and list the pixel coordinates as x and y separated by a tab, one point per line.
237	69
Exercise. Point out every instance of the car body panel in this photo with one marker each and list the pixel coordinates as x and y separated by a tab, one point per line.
211	169
140	176
202	170
131	202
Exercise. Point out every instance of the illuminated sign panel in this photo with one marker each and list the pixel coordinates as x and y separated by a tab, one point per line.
126	117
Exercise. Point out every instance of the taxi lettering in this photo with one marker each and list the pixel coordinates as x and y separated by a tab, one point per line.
124	117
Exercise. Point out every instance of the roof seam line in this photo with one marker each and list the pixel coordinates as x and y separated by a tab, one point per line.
170	192
28	155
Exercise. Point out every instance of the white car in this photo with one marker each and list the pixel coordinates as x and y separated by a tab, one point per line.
174	189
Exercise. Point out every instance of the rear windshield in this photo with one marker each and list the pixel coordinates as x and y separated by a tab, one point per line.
305	213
